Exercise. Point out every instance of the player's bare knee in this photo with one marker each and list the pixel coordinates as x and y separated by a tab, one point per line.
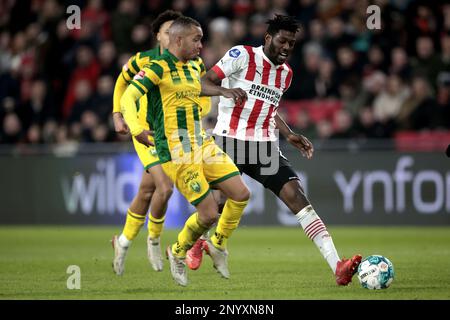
146	192
242	195
212	219
209	218
165	190
295	198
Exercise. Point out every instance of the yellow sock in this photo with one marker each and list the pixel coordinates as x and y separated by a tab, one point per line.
228	222
133	224
192	230
155	226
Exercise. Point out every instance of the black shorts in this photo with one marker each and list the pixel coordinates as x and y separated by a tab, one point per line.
262	161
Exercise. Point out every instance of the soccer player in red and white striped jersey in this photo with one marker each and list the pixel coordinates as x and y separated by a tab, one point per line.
264	82
246	126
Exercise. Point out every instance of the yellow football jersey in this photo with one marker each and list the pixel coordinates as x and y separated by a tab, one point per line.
173	92
131	69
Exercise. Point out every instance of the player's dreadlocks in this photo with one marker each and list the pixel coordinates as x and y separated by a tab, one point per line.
281	22
167	15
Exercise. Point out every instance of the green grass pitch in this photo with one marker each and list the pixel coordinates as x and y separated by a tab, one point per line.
265	263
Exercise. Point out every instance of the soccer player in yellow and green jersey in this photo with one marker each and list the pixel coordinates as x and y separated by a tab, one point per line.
155	188
192	161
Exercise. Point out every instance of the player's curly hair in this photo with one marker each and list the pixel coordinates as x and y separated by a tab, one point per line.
281	22
167	15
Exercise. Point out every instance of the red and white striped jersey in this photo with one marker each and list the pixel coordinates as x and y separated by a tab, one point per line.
248	68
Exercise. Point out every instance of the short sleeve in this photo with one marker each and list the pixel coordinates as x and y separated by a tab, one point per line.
129	69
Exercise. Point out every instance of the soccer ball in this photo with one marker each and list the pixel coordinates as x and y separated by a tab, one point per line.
376	272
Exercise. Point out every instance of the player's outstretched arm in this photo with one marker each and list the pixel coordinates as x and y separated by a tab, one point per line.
129	112
211	87
119	123
297	140
124	78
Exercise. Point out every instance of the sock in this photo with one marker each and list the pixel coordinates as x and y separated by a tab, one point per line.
317	232
228	222
155	226
123	241
133	224
192	230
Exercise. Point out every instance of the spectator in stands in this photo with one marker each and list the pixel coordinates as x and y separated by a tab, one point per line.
34	134
95	14
224	8
347	66
238	31
256	30
426	63
107	59
200	10
5	53
317	32
304	125
87	71
416	112
306	11
444	58
304	82
376	61
400	64
39	108
141	38
49	131
358	27
366	127
219	42
353	96
65	145
11	129
441	116
83	101
343	125
373	85
279	7
337	37
324	131
57	61
102	98
387	103
446	13
122	23
100	133
89	122
326	83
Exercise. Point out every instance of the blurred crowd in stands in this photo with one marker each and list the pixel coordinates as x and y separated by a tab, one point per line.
56	84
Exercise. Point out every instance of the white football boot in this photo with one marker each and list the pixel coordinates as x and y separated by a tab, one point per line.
154	253
177	268
219	258
119	256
